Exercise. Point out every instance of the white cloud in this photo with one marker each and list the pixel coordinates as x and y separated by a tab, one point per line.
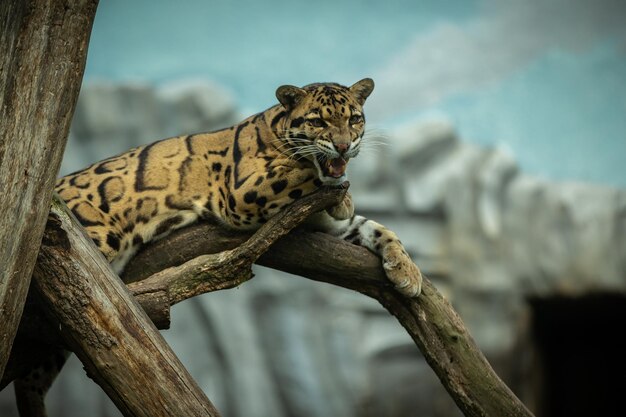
456	58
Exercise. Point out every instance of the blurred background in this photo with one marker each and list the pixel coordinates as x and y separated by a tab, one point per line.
501	164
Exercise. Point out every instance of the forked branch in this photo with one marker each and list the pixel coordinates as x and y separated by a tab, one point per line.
430	320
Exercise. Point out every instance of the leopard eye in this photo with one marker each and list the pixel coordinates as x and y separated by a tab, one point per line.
355	119
317	122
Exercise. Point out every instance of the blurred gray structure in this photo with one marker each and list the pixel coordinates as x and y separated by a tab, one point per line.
490	237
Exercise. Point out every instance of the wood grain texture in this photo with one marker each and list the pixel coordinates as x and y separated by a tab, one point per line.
430	320
43	47
107	329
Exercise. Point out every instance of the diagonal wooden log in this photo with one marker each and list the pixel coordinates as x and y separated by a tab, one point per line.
103	324
430	320
43	47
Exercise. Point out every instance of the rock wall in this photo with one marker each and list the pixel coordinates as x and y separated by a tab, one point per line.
488	235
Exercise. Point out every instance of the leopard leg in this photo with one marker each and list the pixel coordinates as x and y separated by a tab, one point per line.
31	389
398	266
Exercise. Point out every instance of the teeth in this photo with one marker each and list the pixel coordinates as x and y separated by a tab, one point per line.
336	167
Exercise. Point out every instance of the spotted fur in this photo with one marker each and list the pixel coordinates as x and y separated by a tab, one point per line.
239	176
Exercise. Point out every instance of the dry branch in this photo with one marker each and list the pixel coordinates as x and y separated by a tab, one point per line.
110	333
232	267
430	320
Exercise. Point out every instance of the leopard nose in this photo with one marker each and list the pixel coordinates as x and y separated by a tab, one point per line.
342	147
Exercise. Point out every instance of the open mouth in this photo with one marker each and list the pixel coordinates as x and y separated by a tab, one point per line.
335	168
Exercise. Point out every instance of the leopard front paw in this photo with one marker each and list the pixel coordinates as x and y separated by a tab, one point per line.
343	210
402	271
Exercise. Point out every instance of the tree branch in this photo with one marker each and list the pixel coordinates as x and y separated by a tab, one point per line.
430	319
102	323
232	267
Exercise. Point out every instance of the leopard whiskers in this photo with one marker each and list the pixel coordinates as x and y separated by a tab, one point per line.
296	148
373	139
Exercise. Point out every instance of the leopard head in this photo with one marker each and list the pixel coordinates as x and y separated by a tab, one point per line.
324	124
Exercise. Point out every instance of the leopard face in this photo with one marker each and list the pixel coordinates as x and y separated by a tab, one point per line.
324	124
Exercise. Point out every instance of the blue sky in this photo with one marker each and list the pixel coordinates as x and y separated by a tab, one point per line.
545	79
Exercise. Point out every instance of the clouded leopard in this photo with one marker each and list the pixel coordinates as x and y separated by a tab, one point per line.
240	176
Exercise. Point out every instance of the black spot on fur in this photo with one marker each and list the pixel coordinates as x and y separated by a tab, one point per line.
377	233
137	240
294	194
217	167
279	185
353	235
295	123
73	182
140	184
101	168
227	173
259	180
236	151
250	196
259	141
170	202
113	241
231	203
277	118
85	222
223	152
261	201
167	224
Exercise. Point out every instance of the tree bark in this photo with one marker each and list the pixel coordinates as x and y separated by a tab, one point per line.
430	320
43	47
102	323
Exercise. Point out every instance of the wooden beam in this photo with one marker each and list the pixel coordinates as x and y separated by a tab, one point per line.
43	47
107	329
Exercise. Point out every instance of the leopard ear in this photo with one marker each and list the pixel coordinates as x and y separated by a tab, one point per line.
289	96
362	89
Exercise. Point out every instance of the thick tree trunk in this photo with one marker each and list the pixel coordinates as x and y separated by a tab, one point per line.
103	324
43	47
